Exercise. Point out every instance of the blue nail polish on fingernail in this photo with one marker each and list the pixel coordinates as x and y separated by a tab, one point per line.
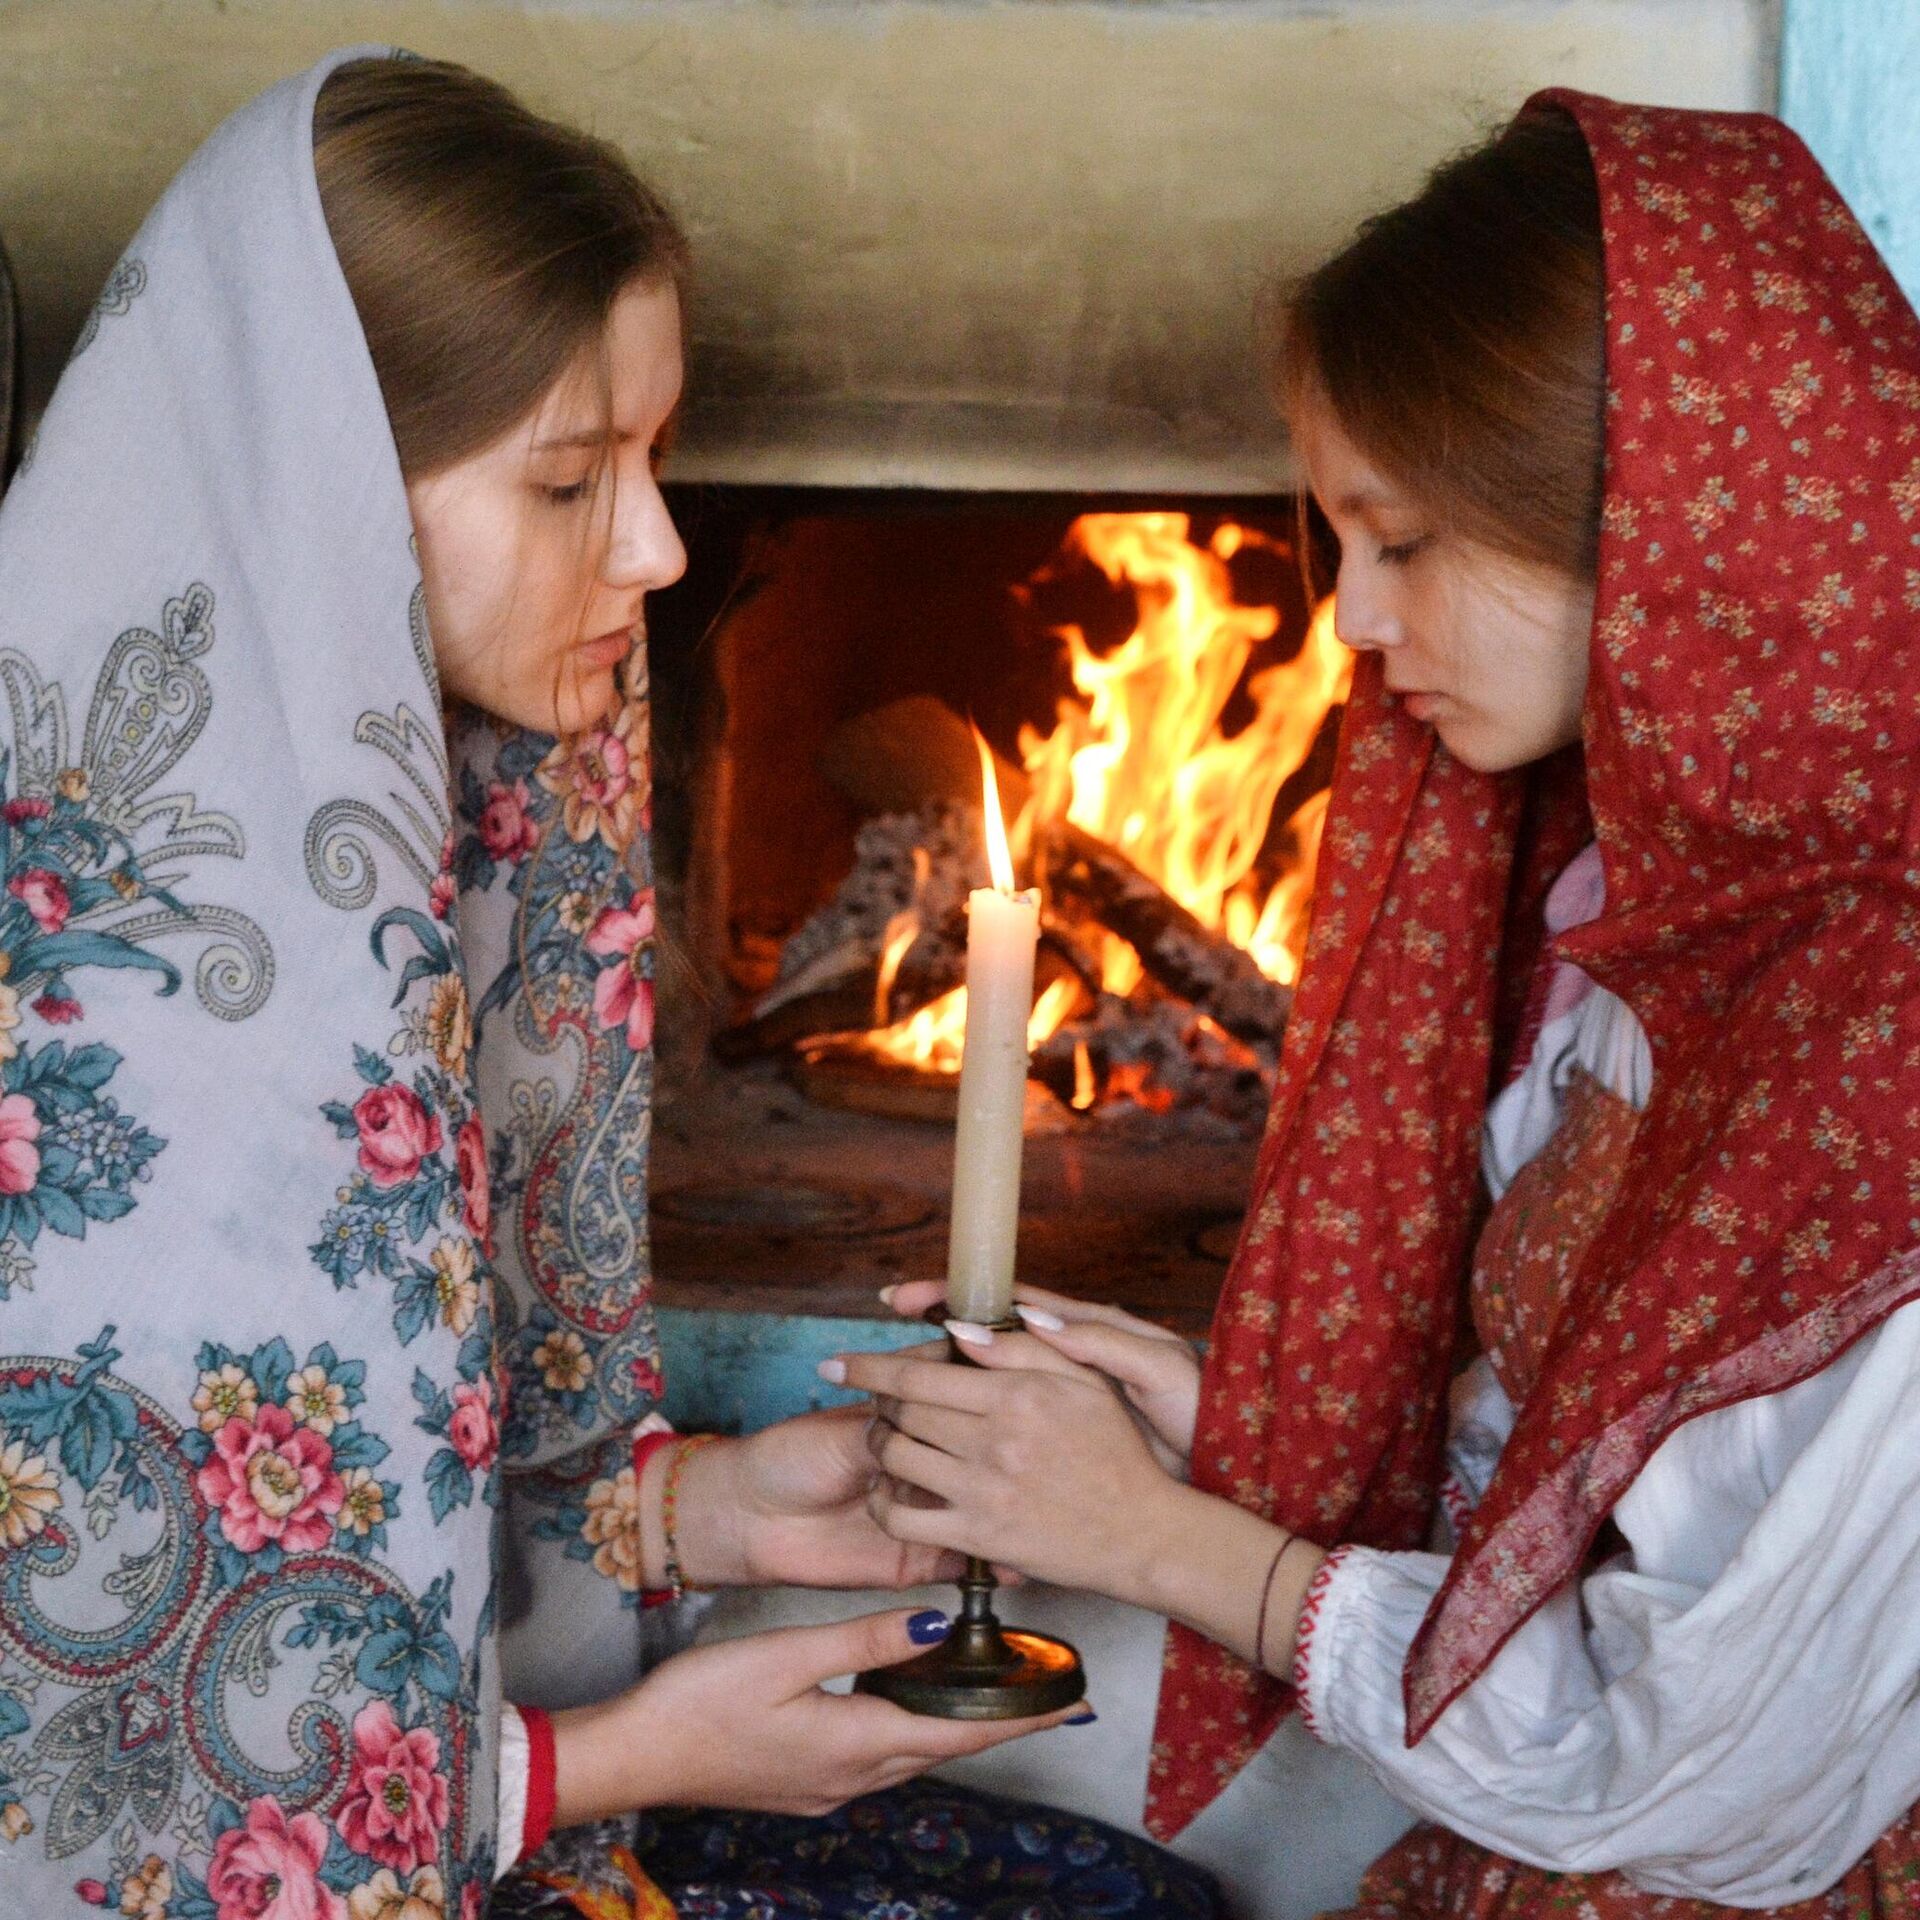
1084	1718
929	1628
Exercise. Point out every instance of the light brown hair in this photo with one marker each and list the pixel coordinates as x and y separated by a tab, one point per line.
484	246
1458	340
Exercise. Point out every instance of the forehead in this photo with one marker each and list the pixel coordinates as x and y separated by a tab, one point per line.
1336	472
634	372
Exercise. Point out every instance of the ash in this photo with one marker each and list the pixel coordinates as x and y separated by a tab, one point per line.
1162	1068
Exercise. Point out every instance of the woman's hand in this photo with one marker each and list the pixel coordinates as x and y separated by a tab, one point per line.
1036	1461
1157	1371
788	1507
746	1723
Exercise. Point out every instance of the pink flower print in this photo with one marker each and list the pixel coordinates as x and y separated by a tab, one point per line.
396	1804
19	1157
623	994
396	1133
507	829
17	813
272	1483
476	1193
603	779
442	893
269	1869
473	1430
57	1010
44	895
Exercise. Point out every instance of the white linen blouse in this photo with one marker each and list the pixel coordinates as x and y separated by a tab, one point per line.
1730	1710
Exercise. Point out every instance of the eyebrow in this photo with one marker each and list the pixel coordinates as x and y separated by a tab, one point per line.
1360	498
594	437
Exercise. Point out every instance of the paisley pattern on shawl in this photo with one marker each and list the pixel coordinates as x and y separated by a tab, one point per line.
1749	735
552	861
246	1528
254	1423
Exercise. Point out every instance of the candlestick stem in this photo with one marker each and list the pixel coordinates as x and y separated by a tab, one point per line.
982	1670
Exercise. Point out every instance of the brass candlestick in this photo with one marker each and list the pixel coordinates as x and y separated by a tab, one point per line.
982	1670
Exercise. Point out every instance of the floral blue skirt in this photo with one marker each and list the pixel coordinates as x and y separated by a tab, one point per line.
926	1851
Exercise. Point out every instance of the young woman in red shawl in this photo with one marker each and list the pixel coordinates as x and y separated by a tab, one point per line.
1618	426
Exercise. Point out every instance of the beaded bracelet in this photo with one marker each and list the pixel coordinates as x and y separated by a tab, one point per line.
669	1508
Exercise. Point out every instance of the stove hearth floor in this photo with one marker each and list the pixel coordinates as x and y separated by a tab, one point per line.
766	1203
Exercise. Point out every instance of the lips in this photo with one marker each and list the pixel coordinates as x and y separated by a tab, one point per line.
610	648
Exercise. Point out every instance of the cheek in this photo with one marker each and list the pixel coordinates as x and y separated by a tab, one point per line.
466	559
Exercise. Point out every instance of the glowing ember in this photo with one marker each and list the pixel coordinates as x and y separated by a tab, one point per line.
1145	765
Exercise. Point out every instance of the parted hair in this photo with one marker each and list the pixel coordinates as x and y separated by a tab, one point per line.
484	245
1458	340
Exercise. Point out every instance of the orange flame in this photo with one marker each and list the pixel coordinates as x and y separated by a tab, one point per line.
1142	760
902	931
933	1038
1084	1090
1051	1009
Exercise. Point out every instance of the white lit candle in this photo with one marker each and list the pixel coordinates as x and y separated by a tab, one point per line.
1003	928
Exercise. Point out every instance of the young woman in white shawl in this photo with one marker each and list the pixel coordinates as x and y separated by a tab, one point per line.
340	527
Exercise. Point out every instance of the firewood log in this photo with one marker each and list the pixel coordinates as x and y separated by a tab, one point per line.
833	993
915	752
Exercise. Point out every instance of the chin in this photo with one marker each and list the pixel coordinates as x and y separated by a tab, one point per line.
584	703
1483	755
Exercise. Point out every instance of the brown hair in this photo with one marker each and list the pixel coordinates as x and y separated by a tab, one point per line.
483	245
1459	342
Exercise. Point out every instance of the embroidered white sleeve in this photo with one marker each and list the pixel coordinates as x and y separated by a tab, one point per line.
1729	1712
515	1762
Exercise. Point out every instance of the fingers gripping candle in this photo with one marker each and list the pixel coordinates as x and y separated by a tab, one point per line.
1003	928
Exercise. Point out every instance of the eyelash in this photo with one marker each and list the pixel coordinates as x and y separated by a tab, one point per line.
572	495
1398	556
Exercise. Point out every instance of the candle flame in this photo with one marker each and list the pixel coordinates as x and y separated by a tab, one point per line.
999	859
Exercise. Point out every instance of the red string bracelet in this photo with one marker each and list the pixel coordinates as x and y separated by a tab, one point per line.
670	1504
644	1448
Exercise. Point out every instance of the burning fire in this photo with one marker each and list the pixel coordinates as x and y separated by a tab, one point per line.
1145	765
1141	761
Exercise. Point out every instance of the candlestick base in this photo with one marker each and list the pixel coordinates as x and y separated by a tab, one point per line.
982	1670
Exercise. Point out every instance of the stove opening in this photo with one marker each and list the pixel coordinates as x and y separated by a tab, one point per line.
1160	696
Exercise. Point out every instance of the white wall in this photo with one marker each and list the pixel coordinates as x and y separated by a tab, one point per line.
964	242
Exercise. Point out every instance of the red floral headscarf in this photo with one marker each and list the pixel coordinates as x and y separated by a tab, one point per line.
1752	735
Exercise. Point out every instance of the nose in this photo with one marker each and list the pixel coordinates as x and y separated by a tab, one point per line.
644	549
1363	617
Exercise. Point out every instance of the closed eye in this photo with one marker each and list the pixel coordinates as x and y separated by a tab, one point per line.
1401	552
